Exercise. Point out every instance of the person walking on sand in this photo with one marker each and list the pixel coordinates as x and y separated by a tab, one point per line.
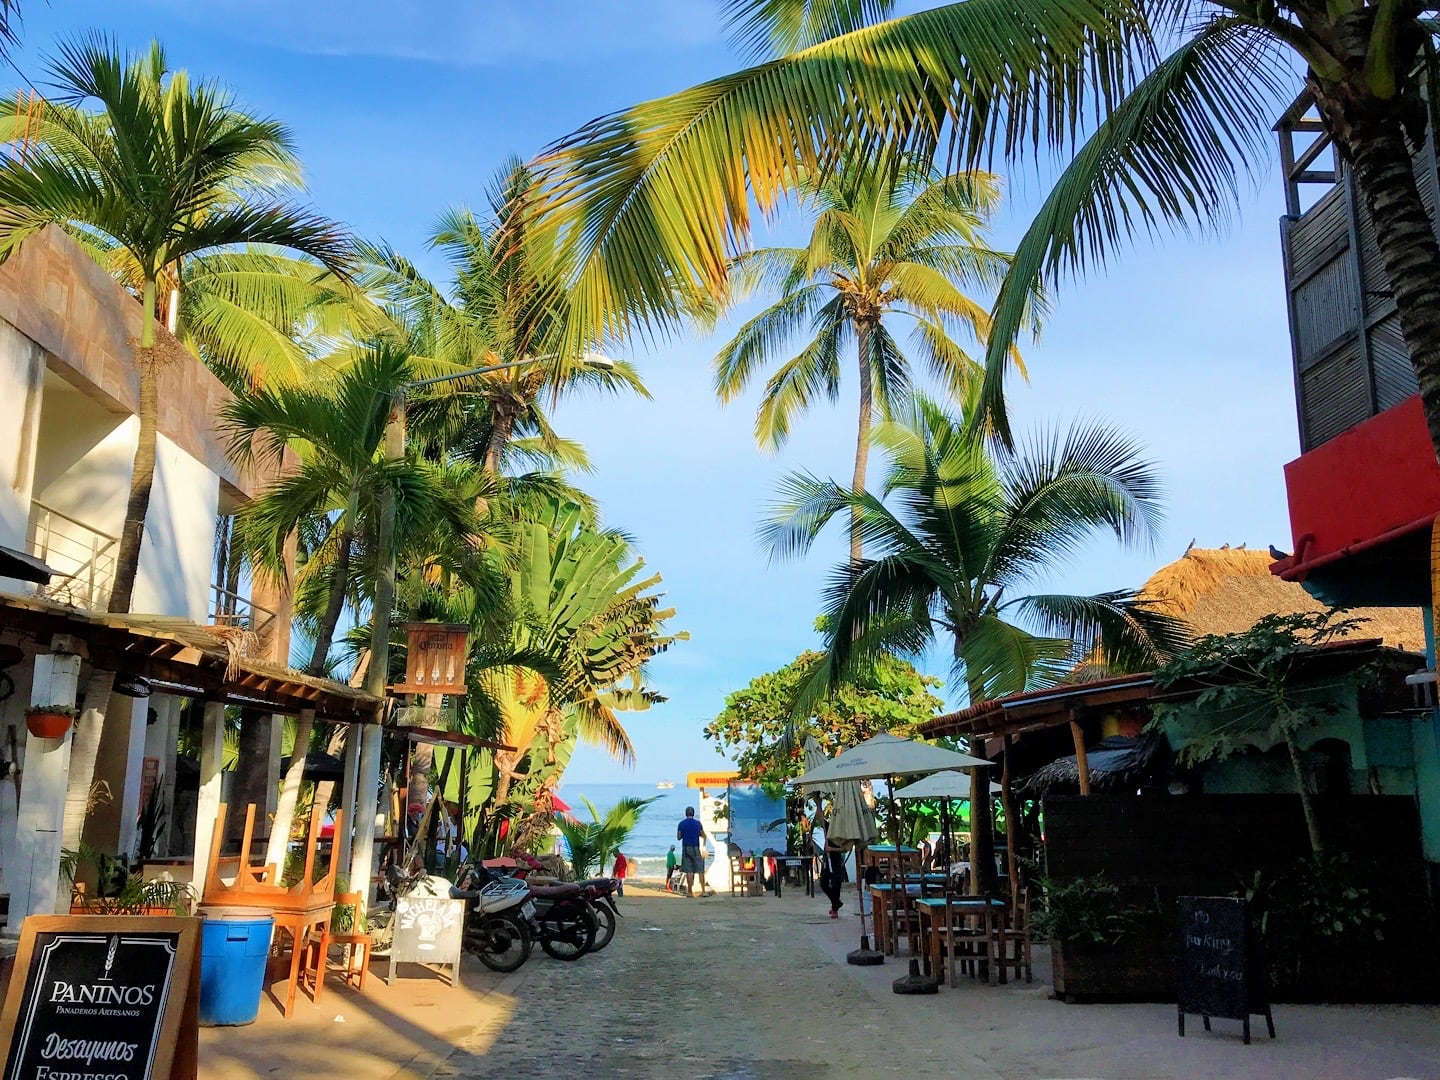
832	875
691	835
618	872
671	861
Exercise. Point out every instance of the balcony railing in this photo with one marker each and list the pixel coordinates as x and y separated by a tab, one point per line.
229	608
82	557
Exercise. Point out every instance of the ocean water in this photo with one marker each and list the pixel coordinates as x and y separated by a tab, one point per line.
654	834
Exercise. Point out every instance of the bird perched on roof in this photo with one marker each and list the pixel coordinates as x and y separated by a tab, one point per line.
1277	554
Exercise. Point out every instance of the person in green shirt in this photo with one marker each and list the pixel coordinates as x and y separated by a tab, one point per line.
670	863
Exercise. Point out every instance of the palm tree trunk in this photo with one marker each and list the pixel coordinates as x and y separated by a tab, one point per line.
142	474
1302	788
422	760
500	433
863	329
1405	235
335	602
85	748
982	822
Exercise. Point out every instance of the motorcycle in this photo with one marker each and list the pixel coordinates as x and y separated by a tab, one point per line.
602	898
497	924
560	917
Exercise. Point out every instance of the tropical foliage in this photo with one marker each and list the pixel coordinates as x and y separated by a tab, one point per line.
134	157
758	730
1157	111
1260	687
961	532
593	843
563	655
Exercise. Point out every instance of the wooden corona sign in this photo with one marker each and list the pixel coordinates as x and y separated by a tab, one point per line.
435	656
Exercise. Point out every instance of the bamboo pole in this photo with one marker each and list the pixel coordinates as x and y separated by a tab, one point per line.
1012	822
1082	762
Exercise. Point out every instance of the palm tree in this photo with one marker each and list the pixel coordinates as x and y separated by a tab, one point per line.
592	843
563	654
166	169
337	430
1158	107
506	303
887	242
962	533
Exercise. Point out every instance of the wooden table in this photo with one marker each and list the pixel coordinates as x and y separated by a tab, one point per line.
880	906
804	863
992	915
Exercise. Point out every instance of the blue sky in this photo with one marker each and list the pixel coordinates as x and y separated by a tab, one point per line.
404	107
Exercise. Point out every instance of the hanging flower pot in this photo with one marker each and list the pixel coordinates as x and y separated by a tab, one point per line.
49	721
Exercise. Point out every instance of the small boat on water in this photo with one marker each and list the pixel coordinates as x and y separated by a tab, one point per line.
664	785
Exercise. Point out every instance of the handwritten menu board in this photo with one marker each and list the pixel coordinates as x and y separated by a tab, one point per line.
97	998
1217	976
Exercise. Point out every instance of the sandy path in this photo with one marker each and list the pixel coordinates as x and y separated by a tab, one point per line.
757	989
716	987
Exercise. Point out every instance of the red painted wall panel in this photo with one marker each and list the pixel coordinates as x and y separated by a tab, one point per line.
1378	478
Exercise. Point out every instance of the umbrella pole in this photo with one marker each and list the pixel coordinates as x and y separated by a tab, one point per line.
864	956
912	982
949	923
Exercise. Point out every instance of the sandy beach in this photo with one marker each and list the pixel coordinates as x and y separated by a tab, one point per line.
758	989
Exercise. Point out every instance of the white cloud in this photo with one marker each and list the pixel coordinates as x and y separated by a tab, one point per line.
459	31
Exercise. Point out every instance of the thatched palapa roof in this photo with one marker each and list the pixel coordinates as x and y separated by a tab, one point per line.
1228	590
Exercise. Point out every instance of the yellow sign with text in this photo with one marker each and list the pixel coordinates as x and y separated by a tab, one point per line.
712	779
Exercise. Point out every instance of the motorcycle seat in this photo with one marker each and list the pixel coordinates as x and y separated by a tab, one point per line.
555	892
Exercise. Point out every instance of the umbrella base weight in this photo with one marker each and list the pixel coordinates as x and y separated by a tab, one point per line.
915	983
865	956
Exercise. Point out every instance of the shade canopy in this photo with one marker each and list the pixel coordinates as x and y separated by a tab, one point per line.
886	755
942	785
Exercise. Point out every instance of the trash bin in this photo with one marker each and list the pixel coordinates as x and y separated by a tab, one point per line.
234	945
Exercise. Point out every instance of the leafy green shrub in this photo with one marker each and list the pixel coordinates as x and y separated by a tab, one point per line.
1084	911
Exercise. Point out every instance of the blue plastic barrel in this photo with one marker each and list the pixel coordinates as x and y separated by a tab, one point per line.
233	951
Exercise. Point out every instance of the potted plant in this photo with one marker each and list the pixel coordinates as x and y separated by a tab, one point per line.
49	721
118	891
1097	948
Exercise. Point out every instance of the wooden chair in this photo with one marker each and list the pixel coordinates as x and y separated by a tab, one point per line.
741	879
1017	934
355	960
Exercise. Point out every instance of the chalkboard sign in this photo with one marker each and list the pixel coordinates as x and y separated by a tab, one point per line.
428	930
107	997
1218	975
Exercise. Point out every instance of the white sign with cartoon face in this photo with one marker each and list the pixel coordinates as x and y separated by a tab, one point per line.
428	930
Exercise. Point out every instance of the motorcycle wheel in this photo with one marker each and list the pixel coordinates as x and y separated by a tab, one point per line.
501	941
605	925
567	930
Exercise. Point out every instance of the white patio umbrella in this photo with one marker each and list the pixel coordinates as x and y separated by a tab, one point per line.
887	756
942	785
850	822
